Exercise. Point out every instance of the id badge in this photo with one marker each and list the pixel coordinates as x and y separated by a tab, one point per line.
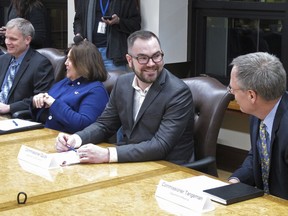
101	27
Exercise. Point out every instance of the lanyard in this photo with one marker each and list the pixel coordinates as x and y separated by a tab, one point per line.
106	7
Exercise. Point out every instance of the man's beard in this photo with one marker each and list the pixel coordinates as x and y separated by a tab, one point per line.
142	79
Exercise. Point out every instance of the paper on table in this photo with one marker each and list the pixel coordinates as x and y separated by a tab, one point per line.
10	124
66	158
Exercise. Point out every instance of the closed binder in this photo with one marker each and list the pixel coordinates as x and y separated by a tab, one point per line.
233	193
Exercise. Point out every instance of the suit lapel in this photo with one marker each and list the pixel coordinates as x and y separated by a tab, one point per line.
282	108
22	68
4	68
152	94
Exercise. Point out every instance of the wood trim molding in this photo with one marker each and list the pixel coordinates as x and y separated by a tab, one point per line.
234	106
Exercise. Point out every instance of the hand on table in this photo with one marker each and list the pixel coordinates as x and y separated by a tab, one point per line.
91	153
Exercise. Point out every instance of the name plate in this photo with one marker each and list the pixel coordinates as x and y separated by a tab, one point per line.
194	200
47	161
37	157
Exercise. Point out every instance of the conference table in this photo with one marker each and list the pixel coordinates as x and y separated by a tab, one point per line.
98	189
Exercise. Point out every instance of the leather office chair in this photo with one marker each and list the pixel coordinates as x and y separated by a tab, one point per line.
2	50
57	59
211	99
112	78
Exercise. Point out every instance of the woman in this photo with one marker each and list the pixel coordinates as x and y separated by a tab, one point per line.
35	12
76	101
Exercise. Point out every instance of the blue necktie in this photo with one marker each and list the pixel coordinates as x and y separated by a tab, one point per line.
9	82
264	155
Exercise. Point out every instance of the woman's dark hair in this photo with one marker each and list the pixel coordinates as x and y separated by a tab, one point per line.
88	61
23	7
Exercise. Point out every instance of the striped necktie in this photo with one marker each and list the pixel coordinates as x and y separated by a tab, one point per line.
9	82
264	155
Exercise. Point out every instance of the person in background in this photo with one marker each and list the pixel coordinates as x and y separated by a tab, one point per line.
108	23
23	72
76	101
35	12
258	82
154	107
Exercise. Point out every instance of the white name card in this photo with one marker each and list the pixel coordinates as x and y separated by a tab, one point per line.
36	157
182	196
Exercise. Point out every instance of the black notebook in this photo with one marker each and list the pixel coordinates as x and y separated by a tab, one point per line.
233	193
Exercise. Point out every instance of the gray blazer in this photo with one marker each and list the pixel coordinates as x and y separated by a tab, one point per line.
164	125
34	75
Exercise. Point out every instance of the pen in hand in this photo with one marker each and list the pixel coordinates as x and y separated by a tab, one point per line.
68	146
71	148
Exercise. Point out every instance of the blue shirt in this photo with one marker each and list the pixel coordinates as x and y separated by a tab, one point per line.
18	61
77	104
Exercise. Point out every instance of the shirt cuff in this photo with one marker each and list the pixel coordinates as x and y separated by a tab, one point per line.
113	157
233	179
78	140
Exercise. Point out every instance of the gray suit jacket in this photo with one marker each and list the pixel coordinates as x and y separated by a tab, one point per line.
34	75
164	125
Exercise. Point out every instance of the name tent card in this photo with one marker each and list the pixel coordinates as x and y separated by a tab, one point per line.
47	161
36	157
182	196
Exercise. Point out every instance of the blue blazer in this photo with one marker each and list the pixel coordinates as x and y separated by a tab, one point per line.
77	104
250	171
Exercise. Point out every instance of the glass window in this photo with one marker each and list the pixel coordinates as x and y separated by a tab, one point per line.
227	38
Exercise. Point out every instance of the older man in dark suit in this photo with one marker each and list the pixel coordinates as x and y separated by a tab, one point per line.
154	107
258	81
23	72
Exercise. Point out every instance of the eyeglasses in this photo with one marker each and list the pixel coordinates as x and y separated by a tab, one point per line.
231	90
144	59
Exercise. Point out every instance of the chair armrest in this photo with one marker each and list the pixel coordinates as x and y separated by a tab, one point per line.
22	114
201	164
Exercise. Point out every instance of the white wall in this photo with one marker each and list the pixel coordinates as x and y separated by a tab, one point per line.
168	19
71	13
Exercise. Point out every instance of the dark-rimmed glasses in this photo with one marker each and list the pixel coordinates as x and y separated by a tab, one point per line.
144	59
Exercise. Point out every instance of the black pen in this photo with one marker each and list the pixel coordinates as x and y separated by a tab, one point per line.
15	123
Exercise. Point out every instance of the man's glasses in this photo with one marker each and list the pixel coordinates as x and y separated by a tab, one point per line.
231	90
144	59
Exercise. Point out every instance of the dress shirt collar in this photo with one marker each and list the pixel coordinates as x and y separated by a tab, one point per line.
269	119
20	58
76	82
137	88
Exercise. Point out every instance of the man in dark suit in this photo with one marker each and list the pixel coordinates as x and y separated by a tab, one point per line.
154	107
33	73
107	24
258	81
